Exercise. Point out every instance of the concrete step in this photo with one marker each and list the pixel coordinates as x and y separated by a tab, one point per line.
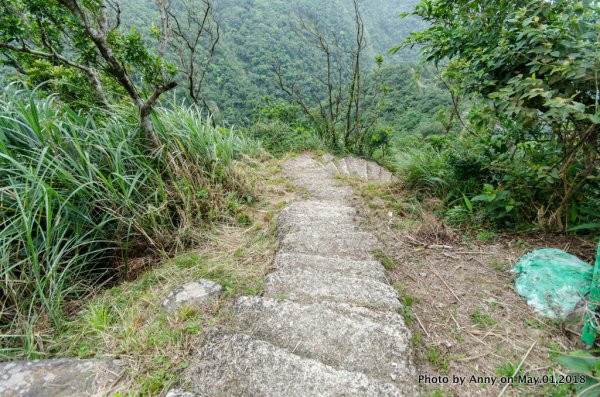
316	225
373	171
344	339
287	218
342	267
239	365
342	244
308	287
331	193
385	175
318	207
342	167
357	167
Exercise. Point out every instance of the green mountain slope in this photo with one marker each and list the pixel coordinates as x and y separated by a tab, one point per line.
257	33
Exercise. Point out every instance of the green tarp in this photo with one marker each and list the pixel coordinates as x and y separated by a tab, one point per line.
552	281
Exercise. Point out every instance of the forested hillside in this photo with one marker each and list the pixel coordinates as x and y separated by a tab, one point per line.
256	34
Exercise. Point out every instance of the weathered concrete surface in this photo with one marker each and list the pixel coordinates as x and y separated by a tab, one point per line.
342	267
238	365
344	339
58	378
194	294
357	167
341	244
316	207
324	226
307	286
342	167
373	171
328	324
181	393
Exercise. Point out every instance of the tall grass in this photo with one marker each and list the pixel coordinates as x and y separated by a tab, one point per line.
79	195
425	168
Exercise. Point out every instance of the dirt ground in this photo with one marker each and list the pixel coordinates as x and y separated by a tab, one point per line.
468	322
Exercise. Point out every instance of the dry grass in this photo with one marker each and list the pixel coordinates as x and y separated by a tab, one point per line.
459	298
127	321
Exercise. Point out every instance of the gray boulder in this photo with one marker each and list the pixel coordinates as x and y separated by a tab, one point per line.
58	378
194	294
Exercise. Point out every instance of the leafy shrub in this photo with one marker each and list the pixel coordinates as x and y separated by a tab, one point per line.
281	127
278	137
430	128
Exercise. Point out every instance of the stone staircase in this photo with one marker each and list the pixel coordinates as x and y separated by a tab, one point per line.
357	167
328	323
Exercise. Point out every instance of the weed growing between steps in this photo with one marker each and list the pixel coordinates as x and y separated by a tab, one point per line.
458	296
127	321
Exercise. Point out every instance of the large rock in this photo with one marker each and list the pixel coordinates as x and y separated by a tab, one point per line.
310	287
238	365
193	294
339	335
58	378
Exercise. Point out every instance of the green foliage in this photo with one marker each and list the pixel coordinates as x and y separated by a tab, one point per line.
497	201
538	56
588	365
425	168
47	41
254	33
531	73
438	359
79	196
281	127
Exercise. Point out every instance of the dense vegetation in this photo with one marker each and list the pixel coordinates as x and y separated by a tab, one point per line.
525	84
501	122
79	196
255	34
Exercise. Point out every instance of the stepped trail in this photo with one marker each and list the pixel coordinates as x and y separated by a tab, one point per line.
328	323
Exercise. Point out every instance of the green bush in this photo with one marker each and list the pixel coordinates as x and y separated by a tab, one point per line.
489	178
79	196
281	127
278	137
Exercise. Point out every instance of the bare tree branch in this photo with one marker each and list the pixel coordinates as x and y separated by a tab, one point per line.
197	26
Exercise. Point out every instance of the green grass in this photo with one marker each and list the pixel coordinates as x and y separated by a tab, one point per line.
407	301
81	195
128	321
386	260
507	368
438	359
425	168
482	319
485	236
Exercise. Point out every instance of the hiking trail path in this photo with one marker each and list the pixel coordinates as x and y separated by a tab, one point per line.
327	323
